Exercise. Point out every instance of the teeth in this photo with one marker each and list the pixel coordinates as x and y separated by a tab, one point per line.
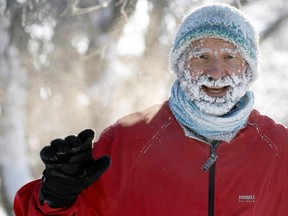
215	87
215	90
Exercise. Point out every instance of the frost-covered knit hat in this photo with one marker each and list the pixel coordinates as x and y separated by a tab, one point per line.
218	21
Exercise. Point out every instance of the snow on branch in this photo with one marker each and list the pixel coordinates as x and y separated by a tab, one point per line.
75	9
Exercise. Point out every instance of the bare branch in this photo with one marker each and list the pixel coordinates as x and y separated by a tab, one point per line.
3	196
122	10
273	27
239	3
75	9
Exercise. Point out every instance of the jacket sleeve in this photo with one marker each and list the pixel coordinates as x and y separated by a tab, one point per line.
91	202
27	202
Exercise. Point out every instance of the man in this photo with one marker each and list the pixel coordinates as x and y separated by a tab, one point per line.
205	151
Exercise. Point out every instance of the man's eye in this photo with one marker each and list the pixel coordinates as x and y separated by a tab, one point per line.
229	56
202	57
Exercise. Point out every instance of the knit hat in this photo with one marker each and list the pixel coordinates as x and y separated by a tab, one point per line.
218	21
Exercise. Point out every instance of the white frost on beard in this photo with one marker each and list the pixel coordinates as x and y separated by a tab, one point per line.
216	106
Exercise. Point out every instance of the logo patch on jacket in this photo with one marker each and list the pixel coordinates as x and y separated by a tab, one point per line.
247	198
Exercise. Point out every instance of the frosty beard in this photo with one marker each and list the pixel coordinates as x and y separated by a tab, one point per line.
216	106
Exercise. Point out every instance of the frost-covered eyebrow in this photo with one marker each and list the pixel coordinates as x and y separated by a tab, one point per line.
229	50
200	50
196	51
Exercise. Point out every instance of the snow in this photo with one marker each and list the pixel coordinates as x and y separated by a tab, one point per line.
270	89
210	105
81	43
239	31
2	211
209	126
132	41
14	161
193	77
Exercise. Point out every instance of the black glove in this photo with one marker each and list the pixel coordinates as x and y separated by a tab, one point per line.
69	168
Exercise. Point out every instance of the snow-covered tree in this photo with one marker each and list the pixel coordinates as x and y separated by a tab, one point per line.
66	65
14	166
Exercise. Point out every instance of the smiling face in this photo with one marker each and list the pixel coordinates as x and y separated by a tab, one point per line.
214	75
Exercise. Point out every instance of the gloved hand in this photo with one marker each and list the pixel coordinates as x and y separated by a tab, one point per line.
69	168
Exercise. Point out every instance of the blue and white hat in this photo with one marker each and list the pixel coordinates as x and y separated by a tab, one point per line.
218	21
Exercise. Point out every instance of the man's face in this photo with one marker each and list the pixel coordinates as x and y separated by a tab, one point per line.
214	75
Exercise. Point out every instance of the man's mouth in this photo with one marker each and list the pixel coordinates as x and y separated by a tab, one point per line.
215	91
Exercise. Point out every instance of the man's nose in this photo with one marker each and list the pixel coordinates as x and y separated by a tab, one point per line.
215	70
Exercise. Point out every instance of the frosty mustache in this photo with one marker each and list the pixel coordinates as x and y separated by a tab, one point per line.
226	81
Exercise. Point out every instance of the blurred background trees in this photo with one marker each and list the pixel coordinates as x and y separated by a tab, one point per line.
66	65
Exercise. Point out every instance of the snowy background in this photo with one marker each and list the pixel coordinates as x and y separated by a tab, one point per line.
66	65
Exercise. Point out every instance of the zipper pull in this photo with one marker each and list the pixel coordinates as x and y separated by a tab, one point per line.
210	161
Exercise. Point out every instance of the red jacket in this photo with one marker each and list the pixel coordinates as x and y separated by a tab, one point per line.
156	170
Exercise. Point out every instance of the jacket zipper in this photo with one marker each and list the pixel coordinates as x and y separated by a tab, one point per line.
211	166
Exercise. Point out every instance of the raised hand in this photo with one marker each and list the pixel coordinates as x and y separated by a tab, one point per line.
69	168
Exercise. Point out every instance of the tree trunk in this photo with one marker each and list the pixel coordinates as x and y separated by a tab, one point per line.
14	166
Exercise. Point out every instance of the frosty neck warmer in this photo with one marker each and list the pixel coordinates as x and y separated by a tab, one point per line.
211	127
